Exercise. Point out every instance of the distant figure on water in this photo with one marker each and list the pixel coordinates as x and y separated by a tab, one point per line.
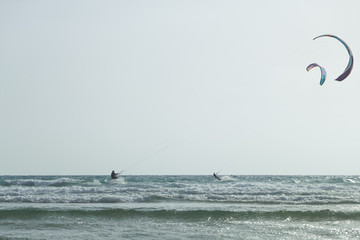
113	175
214	174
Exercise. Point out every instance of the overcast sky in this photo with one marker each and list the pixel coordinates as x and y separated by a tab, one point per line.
178	87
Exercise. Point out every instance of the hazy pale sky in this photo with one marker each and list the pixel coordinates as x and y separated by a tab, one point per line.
178	87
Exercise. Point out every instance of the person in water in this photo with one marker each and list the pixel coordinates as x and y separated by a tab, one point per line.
214	174
113	175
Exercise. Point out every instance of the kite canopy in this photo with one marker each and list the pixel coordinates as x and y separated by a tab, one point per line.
323	72
349	67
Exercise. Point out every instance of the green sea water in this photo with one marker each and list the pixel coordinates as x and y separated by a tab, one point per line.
180	207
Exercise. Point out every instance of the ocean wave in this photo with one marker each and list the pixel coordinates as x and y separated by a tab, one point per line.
188	215
79	196
93	195
179	181
59	182
133	189
126	193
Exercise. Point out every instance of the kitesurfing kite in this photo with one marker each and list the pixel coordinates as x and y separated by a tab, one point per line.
323	72
348	68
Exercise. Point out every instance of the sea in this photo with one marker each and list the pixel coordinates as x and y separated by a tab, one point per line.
180	207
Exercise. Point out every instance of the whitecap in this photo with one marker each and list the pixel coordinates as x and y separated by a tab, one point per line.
119	180
227	178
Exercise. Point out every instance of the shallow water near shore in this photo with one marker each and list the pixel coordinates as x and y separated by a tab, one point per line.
180	207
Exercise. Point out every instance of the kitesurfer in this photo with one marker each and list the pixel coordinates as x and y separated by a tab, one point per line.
214	174
113	175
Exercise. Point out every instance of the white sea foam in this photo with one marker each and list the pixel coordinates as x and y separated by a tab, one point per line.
119	180
227	178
